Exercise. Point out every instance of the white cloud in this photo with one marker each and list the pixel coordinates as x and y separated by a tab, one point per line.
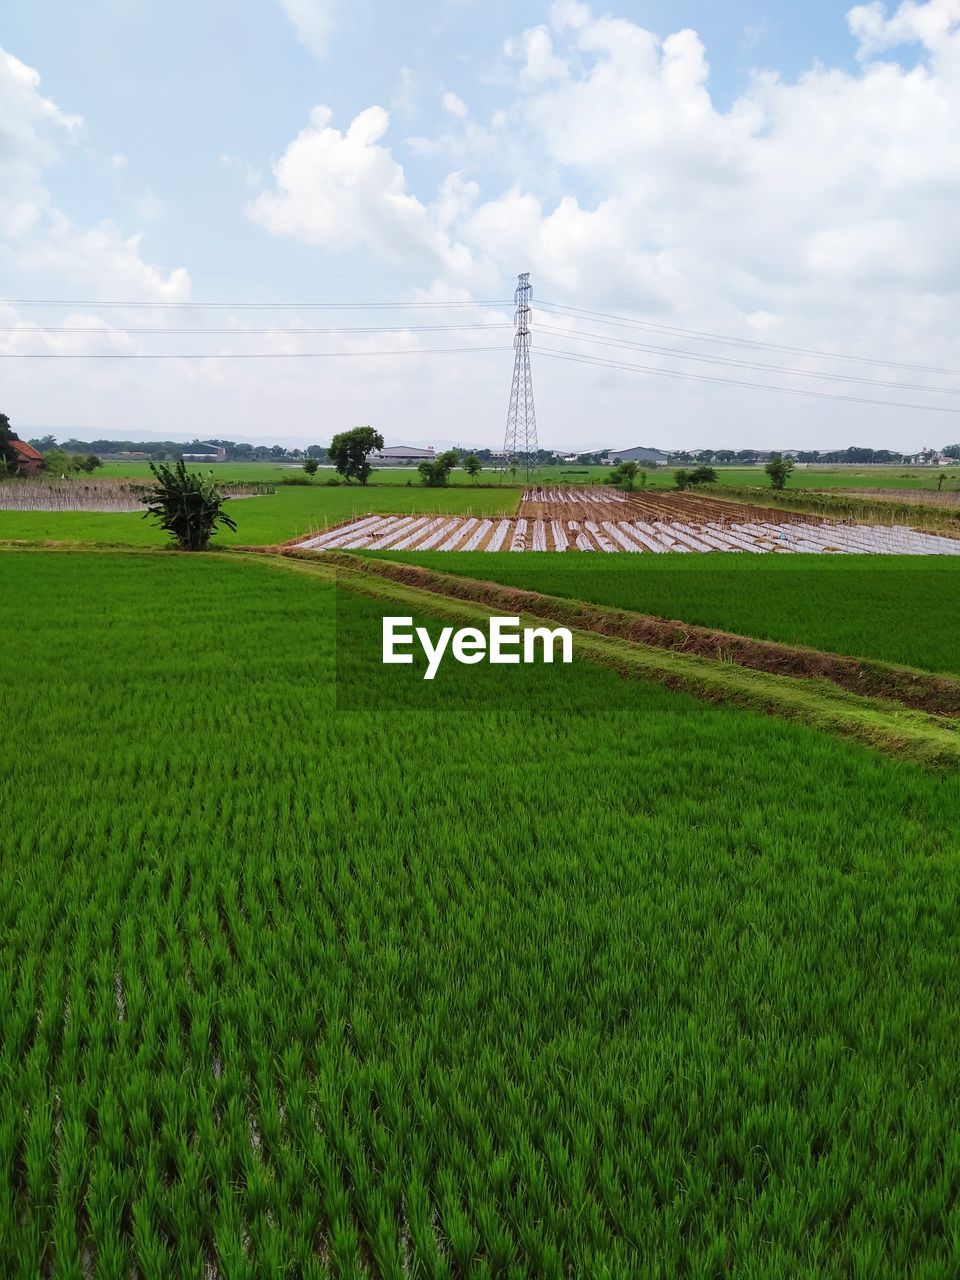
404	101
454	106
934	25
313	22
37	236
820	210
344	190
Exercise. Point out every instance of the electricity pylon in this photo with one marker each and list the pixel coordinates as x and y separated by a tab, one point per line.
520	441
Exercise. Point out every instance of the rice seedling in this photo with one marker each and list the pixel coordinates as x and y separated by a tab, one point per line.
652	988
894	608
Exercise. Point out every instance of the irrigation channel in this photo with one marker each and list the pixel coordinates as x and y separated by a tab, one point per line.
603	520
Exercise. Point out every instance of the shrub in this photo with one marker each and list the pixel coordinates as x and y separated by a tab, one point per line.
436	474
186	504
778	469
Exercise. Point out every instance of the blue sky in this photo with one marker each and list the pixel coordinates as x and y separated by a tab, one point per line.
586	143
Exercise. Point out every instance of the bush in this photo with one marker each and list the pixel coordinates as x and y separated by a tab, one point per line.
778	469
186	504
624	475
436	474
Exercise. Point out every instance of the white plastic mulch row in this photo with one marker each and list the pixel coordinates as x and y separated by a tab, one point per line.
565	496
325	539
499	533
458	535
478	535
462	533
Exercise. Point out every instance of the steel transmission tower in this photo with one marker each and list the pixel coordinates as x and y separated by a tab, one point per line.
520	441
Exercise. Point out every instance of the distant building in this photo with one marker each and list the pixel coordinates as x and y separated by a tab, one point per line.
27	459
928	458
204	453
653	457
401	455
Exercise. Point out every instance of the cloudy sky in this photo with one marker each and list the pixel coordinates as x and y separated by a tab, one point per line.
715	203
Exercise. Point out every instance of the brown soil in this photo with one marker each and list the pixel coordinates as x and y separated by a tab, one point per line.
916	497
691	508
918	689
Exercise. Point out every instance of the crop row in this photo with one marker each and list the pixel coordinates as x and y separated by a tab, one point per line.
454	533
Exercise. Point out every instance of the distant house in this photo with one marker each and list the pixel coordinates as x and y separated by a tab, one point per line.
653	457
401	455
27	459
204	453
928	458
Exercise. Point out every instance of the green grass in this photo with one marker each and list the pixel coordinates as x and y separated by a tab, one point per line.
827	477
276	517
661	991
899	609
275	472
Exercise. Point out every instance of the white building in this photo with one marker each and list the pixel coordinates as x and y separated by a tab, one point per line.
401	455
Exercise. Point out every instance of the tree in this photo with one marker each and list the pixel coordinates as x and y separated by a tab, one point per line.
350	452
951	451
186	504
89	463
59	463
472	466
625	474
778	469
7	434
436	474
681	478
702	475
310	466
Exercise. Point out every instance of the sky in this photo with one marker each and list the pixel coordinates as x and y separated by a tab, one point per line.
739	220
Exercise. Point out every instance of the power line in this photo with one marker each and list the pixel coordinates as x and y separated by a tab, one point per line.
675	353
627	321
684	375
236	355
254	306
270	329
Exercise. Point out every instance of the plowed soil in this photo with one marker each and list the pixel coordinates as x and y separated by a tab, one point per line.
601	504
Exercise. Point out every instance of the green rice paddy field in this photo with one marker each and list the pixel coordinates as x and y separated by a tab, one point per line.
903	609
811	477
657	988
291	512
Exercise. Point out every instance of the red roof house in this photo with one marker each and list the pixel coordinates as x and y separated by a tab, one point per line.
27	459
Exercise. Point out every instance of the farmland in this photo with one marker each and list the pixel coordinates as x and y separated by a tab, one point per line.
604	519
600	1013
290	511
866	606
